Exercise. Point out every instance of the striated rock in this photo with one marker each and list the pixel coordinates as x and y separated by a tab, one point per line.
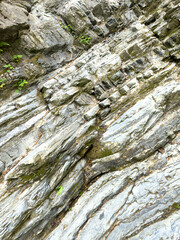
119	204
13	17
90	146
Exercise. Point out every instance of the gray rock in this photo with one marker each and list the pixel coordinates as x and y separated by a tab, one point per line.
149	110
84	99
132	84
167	228
103	96
2	167
114	215
104	113
91	113
148	74
115	96
12	18
105	103
123	90
89	149
111	24
63	96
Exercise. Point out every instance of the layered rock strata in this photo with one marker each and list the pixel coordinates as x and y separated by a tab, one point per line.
90	146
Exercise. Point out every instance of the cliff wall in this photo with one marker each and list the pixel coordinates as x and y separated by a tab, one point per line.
89	119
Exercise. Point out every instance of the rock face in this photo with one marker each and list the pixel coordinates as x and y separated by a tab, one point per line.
89	120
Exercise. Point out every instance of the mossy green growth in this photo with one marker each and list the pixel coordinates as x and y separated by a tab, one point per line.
38	174
27	178
99	151
80	193
75	190
175	205
105	152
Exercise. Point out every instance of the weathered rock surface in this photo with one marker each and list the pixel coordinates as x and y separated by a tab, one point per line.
90	146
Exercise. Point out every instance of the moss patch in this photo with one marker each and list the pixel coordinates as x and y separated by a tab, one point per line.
99	151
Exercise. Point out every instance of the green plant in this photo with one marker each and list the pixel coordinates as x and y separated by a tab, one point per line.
64	26
16	58
72	29
20	84
2	44
85	40
59	189
69	28
2	82
8	67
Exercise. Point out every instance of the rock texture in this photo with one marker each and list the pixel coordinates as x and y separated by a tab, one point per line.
90	146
